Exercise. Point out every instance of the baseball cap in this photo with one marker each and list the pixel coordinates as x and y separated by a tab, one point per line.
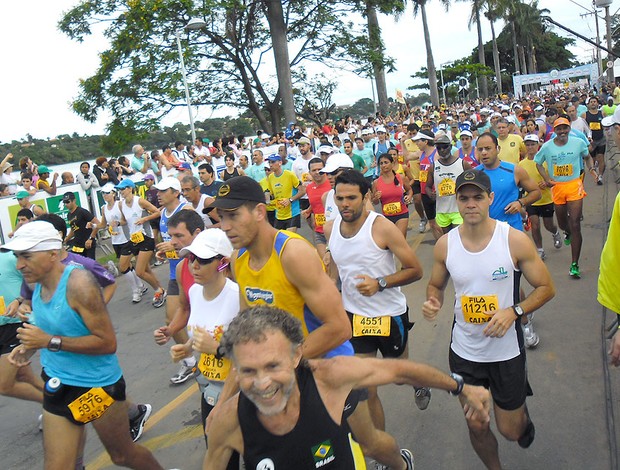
538	108
426	135
236	191
352	130
43	169
37	235
274	157
325	149
613	119
167	183
264	136
380	129
531	138
561	122
21	195
476	177
443	139
107	188
209	243
67	197
335	162
366	131
126	183
149	176
467	133
303	140
184	166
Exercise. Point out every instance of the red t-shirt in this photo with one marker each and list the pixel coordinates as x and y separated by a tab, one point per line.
315	192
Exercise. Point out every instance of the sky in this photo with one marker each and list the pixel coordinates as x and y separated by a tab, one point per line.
43	67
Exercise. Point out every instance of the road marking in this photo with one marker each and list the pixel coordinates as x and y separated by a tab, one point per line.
190	432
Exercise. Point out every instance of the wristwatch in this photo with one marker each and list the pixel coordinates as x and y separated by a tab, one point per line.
54	344
518	310
459	384
382	283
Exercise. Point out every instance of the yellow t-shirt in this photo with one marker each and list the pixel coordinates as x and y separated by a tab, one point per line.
281	188
271	205
608	279
510	148
530	166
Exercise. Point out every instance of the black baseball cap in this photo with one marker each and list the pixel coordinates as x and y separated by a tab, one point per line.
67	197
476	177
237	191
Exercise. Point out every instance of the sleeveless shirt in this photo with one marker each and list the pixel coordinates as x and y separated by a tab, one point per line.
506	191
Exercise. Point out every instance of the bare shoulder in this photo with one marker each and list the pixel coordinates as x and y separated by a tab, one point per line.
84	290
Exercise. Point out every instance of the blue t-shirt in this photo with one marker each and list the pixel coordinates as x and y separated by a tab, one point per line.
367	156
564	162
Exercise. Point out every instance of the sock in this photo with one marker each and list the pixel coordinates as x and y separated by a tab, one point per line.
133	410
132	277
189	361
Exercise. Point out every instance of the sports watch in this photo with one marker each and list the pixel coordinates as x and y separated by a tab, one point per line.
518	310
382	283
54	344
459	384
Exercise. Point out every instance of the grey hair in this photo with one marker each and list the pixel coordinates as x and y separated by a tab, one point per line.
253	323
195	182
135	148
503	121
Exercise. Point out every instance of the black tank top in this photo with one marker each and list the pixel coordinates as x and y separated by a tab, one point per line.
315	442
226	176
594	122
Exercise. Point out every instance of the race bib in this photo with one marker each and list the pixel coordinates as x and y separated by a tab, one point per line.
447	187
280	204
391	208
111	230
306	178
319	219
563	170
77	249
172	254
371	326
2	305
595	126
475	306
91	405
423	176
137	237
213	368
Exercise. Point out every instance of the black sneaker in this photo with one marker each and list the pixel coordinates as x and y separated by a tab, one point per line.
528	435
136	425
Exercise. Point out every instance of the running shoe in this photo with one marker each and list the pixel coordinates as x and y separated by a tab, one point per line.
112	269
541	253
185	373
137	295
567	238
529	335
40	423
557	240
422	397
159	298
158	262
379	466
528	435
599	180
408	458
574	271
527	223
422	226
136	425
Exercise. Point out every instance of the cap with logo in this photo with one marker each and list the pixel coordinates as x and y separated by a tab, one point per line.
303	141
43	169
531	138
474	177
68	197
274	158
424	135
184	166
561	122
237	191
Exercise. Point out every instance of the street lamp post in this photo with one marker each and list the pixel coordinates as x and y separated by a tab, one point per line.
193	24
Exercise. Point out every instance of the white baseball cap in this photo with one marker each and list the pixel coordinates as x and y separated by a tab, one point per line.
531	138
35	236
613	119
209	243
337	161
167	183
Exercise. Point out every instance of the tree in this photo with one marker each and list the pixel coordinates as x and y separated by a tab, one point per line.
476	7
492	15
419	6
138	79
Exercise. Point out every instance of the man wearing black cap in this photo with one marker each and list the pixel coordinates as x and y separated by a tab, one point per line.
83	228
485	259
281	269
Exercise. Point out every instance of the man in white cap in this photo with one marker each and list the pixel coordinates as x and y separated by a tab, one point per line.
78	344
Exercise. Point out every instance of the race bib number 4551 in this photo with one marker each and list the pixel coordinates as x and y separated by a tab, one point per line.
475	308
371	326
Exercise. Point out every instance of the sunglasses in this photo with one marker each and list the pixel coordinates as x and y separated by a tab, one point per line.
191	257
443	146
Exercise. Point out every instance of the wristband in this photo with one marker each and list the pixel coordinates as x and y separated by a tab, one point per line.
219	352
521	202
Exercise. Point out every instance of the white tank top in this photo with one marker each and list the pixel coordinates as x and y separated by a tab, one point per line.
361	255
118	235
485	273
210	314
331	210
205	217
444	178
134	213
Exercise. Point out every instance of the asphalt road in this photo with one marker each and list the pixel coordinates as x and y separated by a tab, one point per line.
575	395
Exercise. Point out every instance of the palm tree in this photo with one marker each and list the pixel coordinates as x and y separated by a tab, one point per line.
492	15
419	6
476	6
376	48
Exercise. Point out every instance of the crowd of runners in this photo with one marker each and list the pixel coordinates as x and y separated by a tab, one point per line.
289	378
